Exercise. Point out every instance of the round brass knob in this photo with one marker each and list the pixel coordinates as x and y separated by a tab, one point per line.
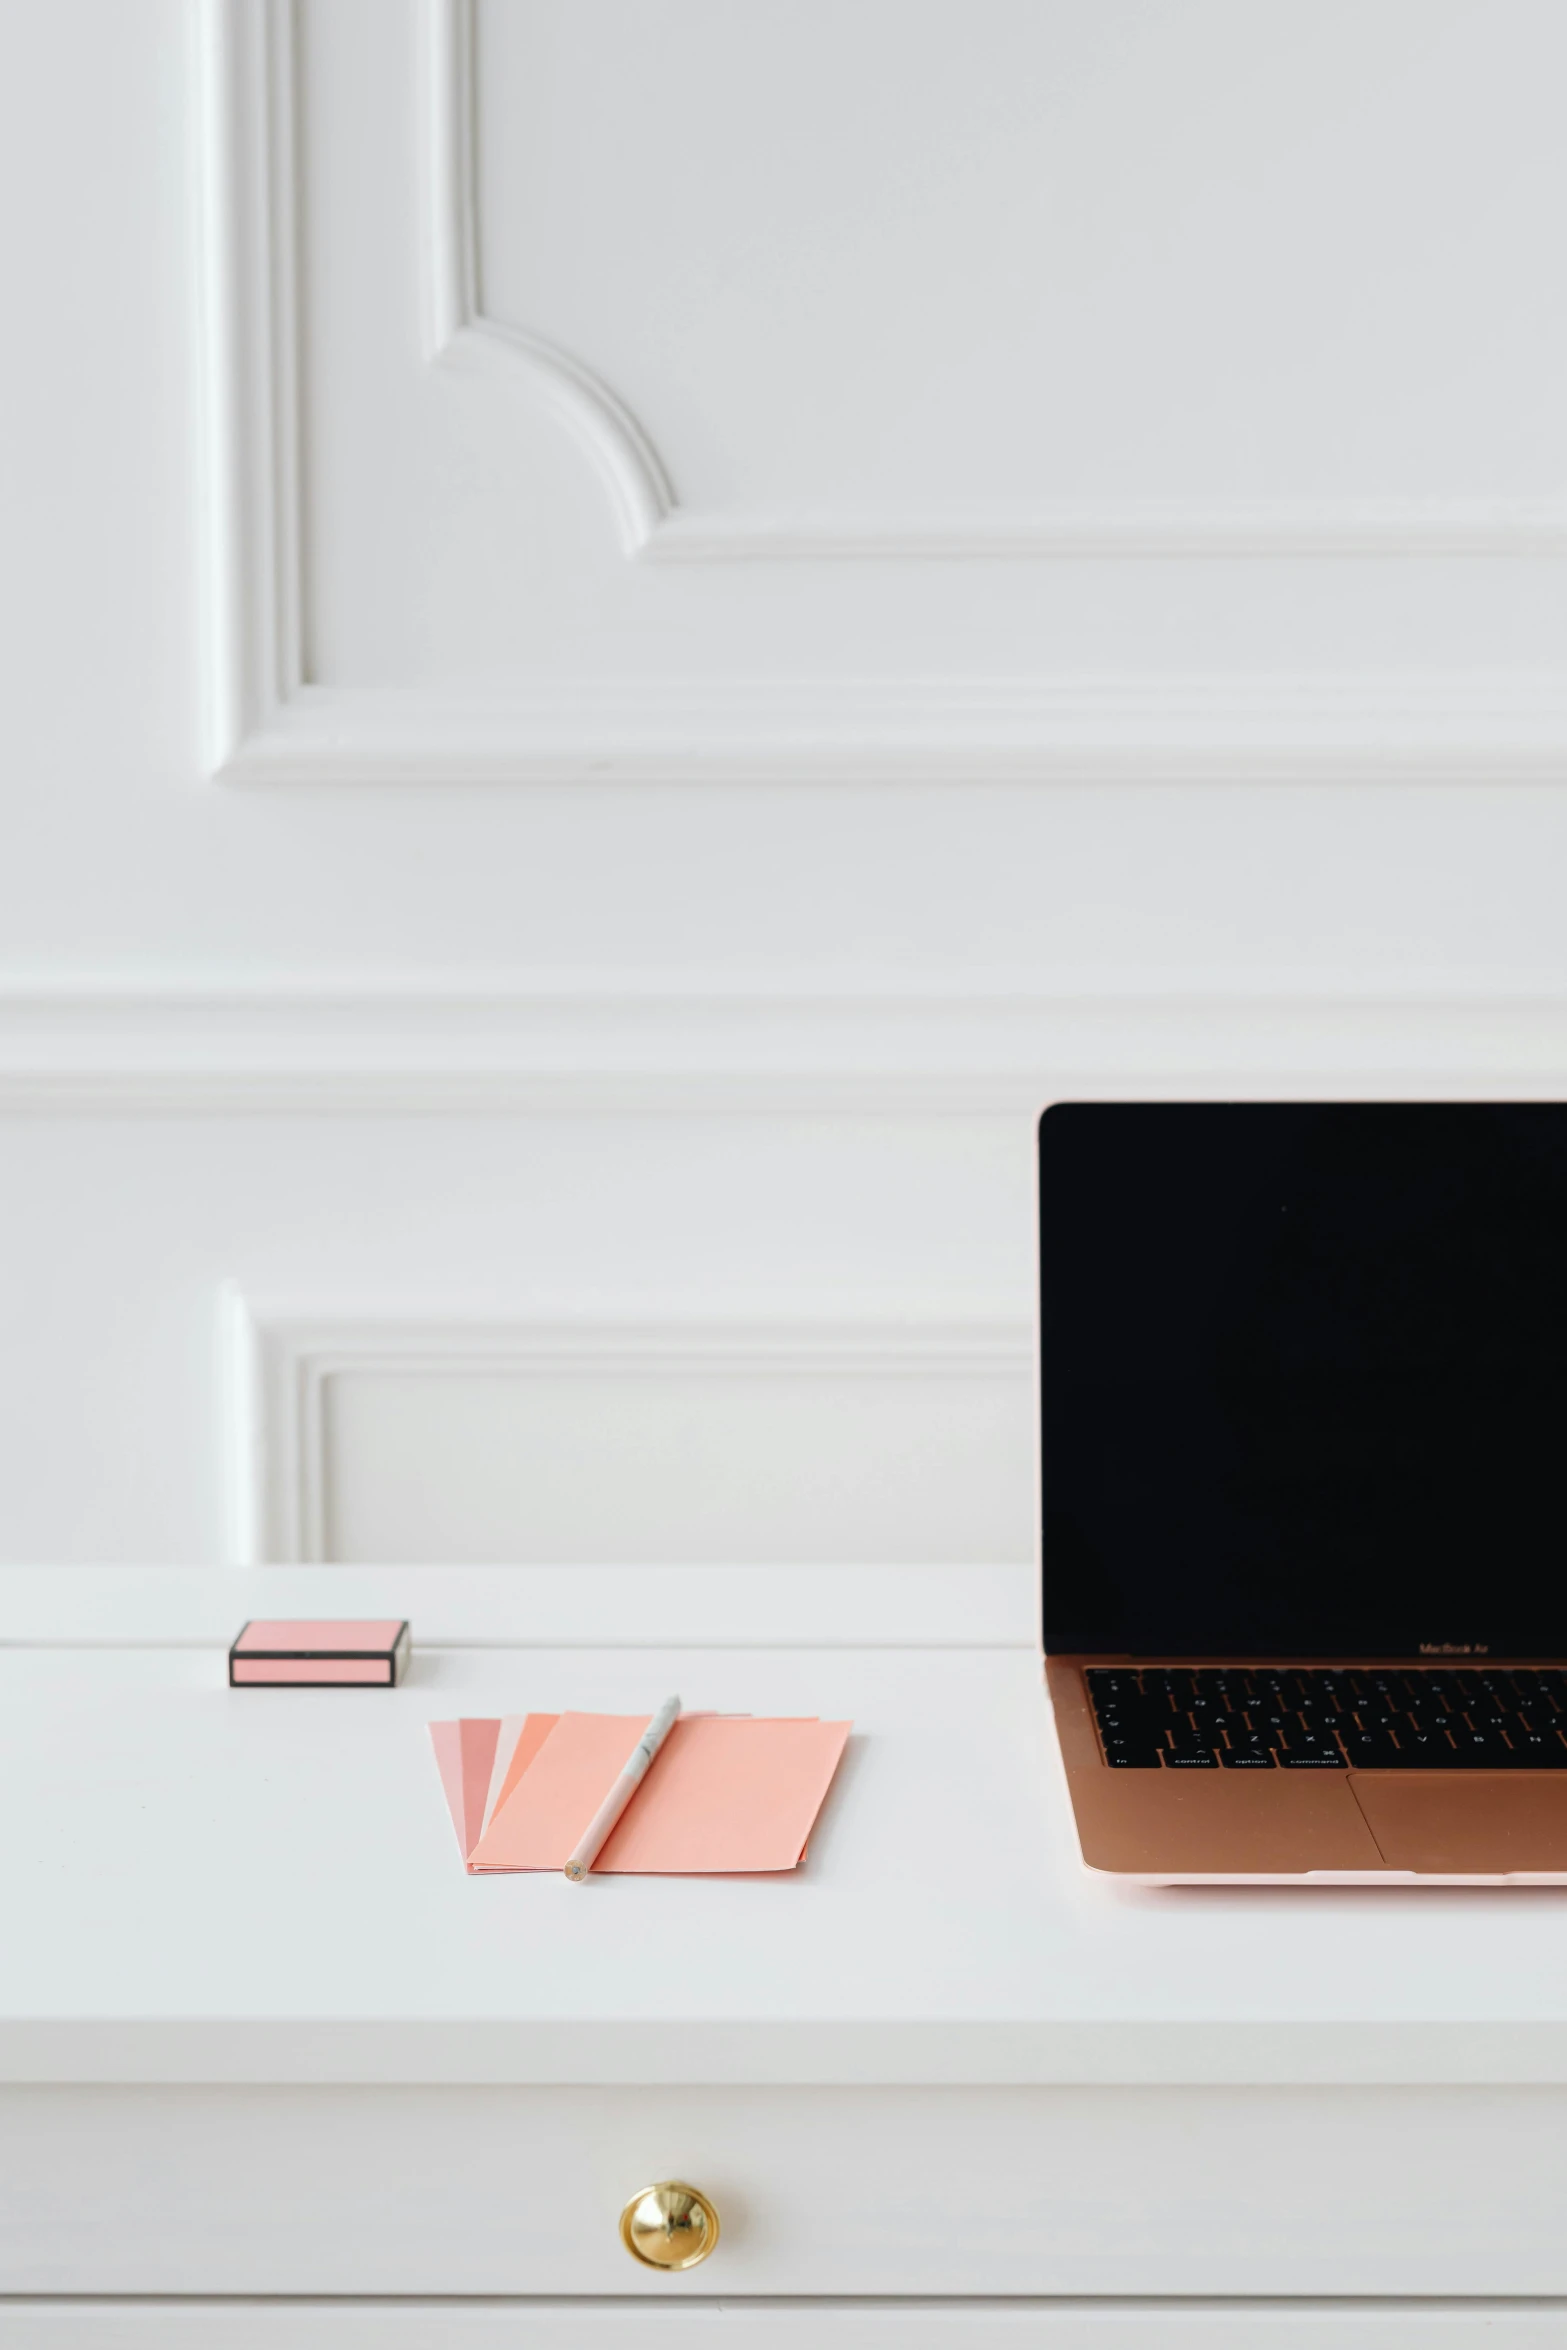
669	2226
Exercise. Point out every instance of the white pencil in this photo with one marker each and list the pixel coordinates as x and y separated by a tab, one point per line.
596	1834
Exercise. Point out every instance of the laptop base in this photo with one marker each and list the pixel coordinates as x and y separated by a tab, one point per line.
1349	1827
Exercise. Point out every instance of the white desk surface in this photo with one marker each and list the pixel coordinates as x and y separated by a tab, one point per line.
210	1885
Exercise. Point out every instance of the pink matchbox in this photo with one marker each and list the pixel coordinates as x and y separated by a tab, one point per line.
324	1656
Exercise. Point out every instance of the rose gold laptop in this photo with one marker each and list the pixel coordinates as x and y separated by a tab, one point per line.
1303	1411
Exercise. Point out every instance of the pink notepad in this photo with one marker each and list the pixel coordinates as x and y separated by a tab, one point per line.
726	1794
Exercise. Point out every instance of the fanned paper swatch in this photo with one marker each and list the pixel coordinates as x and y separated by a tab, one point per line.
726	1795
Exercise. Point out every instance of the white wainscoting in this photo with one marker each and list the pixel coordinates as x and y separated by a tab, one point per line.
583	1275
1235	472
376	1439
654	521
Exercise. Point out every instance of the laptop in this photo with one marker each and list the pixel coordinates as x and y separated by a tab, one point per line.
1303	1417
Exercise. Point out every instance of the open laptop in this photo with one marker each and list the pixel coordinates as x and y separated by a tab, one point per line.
1303	1408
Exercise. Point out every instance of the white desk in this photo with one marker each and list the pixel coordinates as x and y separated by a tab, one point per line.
261	2035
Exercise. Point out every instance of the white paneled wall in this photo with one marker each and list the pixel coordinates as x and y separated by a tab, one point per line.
511	1336
631	631
569	1436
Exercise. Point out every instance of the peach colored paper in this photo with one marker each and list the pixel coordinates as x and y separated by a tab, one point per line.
538	1825
535	1729
465	1758
726	1796
506	1737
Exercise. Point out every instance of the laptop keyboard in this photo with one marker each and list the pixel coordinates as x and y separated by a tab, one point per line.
1329	1718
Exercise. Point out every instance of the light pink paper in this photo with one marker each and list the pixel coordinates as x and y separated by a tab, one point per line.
446	1738
535	1729
726	1795
540	1822
478	1760
726	1798
310	1639
281	1672
465	1757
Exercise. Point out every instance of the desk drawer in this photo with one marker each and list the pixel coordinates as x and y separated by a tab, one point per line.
820	2191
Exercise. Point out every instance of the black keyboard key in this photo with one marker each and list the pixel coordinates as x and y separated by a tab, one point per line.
1539	1750
1371	1750
1430	1748
1310	1740
1103	1686
1477	1751
1320	1718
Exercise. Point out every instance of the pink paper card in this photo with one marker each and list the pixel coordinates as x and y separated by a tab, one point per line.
465	1757
446	1738
535	1729
539	1823
726	1797
506	1738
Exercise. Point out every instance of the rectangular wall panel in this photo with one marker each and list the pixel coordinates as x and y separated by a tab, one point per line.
819	1461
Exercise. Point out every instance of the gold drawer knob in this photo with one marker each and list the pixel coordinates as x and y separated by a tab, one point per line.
669	2226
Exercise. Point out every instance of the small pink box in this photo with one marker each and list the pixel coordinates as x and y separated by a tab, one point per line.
322	1656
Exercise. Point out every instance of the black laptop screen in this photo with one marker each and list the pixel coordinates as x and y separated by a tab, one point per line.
1304	1378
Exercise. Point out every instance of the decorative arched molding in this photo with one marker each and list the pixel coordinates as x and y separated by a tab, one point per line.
656	526
264	721
629	466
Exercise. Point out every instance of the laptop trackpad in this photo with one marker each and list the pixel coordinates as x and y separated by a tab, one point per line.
1481	1826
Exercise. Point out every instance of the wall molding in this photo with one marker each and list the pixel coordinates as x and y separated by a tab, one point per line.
262	722
278	1361
247	368
709	1049
655	525
1386	728
629	466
